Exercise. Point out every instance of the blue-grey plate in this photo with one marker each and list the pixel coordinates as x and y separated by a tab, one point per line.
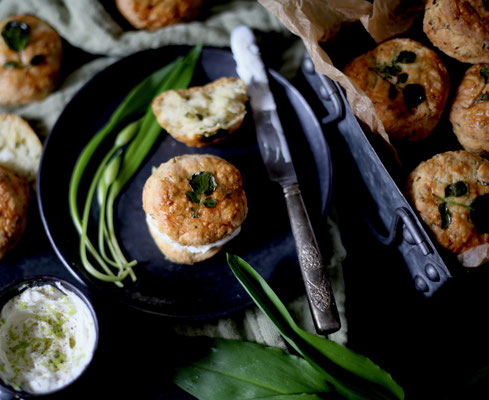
206	289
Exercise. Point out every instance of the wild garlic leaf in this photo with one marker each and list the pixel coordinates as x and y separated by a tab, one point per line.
414	95
445	215
405	57
16	35
192	196
353	376
483	97
231	369
210	202
38	59
11	65
203	182
457	189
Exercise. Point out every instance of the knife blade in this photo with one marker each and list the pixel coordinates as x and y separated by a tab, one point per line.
278	161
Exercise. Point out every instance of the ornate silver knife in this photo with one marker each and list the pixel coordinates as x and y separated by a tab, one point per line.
276	156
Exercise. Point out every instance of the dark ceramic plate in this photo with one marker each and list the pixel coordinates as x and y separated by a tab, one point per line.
206	289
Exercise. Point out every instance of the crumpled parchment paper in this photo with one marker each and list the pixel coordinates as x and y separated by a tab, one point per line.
318	21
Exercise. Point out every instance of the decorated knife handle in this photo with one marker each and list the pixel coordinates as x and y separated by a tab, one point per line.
318	287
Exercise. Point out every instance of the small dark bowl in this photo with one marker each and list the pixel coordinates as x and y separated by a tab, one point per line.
17	287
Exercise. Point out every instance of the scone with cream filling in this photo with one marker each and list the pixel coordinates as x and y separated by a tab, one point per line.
194	204
202	115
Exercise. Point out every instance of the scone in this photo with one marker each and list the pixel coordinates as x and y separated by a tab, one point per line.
407	83
155	14
194	204
451	193
20	147
202	115
460	28
469	113
30	59
14	202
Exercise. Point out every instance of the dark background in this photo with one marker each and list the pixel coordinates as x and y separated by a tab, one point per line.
435	348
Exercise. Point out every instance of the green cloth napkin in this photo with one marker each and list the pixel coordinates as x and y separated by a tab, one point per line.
88	25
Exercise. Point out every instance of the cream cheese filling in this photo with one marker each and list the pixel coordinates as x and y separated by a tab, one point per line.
191	249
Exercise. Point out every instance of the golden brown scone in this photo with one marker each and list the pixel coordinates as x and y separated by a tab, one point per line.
460	28
185	231
20	147
469	113
14	201
407	83
202	115
155	14
454	176
31	73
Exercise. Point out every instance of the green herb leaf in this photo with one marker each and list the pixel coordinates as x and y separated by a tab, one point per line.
484	72
11	65
210	202
392	91
38	60
457	189
414	95
176	75
402	78
405	57
479	213
16	35
231	369
192	196
483	97
445	215
203	182
352	375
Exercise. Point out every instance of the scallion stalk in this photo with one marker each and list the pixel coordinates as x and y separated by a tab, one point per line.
124	158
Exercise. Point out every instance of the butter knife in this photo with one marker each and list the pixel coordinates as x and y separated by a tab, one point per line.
276	156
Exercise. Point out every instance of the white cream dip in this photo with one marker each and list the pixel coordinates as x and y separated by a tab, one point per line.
191	249
47	337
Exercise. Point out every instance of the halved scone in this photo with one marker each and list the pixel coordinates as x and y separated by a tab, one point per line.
202	115
20	147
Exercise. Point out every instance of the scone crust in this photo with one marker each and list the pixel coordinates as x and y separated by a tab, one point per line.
180	256
197	139
430	179
400	121
165	201
31	82
469	113
460	28
155	14
14	202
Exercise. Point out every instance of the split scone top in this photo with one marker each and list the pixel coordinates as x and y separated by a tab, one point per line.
451	193
407	83
460	28
30	59
194	203
202	115
469	113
